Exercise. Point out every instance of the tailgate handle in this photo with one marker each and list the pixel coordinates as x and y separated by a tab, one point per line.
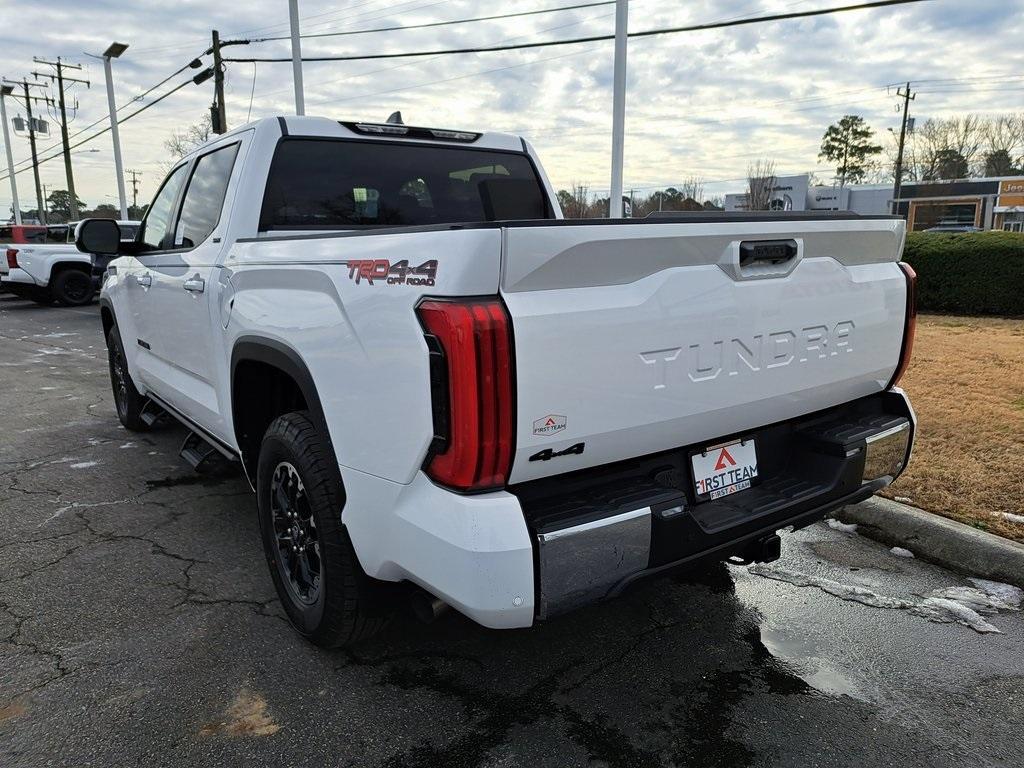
772	252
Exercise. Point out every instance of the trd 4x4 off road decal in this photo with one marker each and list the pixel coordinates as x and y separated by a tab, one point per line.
399	273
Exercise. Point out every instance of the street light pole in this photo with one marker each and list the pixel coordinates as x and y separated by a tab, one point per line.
5	91
618	108
293	18
113	52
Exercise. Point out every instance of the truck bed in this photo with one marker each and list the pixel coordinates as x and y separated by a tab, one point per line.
637	335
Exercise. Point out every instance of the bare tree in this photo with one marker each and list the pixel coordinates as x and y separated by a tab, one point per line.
1004	145
575	202
180	143
760	183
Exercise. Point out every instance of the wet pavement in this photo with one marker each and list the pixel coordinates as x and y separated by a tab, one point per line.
139	626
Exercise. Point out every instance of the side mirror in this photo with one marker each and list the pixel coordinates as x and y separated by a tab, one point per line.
101	236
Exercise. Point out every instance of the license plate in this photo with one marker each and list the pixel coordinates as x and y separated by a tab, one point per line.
724	469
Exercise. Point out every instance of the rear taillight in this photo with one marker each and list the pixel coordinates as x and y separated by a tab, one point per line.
910	326
471	347
12	258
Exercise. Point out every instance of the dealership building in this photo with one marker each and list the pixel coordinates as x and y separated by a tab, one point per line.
992	203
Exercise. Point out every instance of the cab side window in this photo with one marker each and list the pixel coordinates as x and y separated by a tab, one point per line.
204	197
158	216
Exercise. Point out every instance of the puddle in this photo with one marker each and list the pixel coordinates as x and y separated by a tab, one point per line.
801	657
966	606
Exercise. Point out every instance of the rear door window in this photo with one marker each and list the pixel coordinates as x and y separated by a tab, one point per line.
323	184
204	197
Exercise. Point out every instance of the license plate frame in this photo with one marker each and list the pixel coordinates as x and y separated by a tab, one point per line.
714	477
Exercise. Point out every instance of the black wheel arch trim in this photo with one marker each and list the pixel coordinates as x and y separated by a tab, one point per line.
271	352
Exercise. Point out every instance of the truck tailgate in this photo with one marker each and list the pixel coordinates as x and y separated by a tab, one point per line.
633	338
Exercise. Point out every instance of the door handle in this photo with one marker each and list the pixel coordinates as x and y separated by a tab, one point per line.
194	284
144	280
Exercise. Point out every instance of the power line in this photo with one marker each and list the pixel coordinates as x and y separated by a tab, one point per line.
593	38
99	133
399	28
127	104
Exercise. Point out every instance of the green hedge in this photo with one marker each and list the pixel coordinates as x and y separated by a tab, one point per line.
971	273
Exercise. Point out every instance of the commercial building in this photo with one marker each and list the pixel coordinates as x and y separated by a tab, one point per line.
990	203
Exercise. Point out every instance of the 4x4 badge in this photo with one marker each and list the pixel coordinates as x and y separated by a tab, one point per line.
549	425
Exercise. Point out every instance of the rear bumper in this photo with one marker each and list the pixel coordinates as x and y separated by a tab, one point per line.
597	533
16	277
508	558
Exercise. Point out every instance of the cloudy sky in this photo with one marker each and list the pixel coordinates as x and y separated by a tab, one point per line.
699	104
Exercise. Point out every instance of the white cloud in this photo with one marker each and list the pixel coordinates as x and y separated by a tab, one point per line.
698	104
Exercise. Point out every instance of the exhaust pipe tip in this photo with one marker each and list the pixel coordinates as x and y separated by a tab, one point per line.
426	607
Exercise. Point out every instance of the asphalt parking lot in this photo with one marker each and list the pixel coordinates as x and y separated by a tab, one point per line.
139	626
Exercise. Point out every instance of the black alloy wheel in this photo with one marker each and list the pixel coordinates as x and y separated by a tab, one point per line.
73	288
298	543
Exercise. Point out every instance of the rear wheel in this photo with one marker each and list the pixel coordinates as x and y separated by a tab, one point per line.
324	591
127	400
73	288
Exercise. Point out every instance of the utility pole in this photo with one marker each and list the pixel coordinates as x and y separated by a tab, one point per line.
60	66
618	107
907	98
29	98
7	90
135	188
217	113
293	18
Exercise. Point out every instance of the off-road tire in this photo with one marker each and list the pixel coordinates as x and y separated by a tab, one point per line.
73	288
345	609
127	400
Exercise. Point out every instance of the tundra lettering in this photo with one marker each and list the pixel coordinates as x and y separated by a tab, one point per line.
706	361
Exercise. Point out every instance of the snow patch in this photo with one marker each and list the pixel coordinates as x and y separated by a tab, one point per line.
1018	519
80	505
84	464
835	525
901	552
966	606
902	499
1009	594
129	444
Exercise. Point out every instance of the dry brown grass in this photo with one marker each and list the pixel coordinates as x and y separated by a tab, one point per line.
966	381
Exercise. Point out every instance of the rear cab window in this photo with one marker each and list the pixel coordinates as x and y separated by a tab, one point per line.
340	184
24	233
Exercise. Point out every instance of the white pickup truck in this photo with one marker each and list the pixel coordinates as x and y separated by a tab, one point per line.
54	270
435	383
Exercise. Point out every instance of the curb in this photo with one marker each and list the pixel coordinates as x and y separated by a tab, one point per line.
938	540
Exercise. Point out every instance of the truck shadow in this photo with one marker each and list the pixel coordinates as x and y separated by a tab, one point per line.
664	675
654	678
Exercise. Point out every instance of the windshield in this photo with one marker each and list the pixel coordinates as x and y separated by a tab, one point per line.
317	183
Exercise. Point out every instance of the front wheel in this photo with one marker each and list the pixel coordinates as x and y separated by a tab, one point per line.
127	400
73	288
314	567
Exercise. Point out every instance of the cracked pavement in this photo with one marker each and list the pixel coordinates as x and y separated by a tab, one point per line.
139	626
